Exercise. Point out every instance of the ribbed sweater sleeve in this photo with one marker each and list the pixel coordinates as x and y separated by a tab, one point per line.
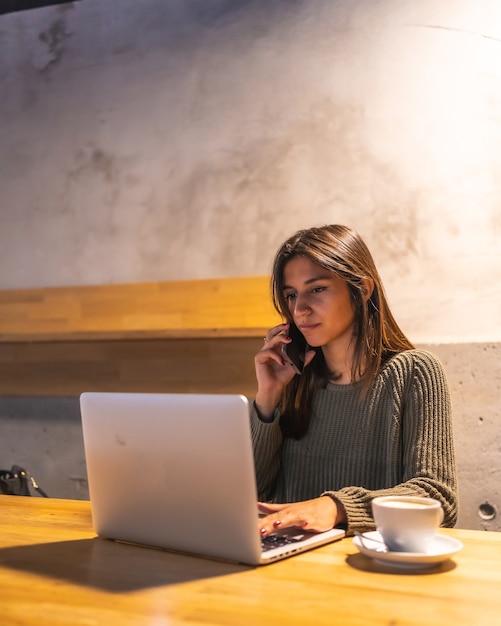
395	440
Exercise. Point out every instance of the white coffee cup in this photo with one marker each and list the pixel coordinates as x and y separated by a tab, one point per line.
407	523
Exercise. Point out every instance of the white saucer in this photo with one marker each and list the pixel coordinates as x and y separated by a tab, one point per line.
442	548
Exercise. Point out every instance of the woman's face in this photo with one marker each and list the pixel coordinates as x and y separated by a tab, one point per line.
320	303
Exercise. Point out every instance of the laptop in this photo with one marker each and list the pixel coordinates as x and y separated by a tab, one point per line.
176	471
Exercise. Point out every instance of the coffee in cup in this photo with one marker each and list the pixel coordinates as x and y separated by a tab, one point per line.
407	523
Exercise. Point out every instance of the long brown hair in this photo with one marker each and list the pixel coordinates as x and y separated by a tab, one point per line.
376	334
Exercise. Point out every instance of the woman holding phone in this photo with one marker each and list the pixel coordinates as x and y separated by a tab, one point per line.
368	416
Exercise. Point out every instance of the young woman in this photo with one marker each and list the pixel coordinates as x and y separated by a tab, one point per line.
369	416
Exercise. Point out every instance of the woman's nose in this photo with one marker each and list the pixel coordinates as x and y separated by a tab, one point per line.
300	305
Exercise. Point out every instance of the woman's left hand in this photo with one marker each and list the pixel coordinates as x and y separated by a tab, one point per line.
315	515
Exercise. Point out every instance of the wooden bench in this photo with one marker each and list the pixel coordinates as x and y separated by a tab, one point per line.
192	335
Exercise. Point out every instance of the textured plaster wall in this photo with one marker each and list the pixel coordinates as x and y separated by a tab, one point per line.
186	138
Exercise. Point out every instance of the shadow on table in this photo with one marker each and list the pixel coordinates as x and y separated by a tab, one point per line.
111	566
366	564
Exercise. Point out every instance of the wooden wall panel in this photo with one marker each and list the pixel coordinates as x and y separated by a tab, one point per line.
210	365
184	336
198	308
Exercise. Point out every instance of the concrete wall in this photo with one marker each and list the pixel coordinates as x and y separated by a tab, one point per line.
186	138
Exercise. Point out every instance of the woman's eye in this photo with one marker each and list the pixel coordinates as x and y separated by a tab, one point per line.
290	296
318	289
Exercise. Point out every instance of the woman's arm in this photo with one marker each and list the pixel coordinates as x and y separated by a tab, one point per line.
266	441
273	374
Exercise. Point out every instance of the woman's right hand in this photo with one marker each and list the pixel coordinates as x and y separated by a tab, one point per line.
273	372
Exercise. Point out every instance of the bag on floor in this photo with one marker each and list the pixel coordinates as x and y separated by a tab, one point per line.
17	481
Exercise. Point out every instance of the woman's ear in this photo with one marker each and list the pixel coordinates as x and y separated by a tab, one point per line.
367	288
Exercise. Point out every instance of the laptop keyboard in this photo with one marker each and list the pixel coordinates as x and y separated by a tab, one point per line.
278	541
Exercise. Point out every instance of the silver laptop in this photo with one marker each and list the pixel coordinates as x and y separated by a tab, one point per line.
176	471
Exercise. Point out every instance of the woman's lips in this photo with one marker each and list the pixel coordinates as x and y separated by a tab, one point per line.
306	328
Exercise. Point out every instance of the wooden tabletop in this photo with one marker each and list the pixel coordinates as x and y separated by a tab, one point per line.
54	571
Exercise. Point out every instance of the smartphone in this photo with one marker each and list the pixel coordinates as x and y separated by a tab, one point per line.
294	352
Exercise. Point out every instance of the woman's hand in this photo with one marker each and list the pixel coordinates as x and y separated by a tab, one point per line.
315	515
273	372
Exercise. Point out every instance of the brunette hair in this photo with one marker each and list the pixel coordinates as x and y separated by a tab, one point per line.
376	334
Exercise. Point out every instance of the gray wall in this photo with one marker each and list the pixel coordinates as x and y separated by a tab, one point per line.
186	138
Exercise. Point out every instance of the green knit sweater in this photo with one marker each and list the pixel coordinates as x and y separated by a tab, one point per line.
395	440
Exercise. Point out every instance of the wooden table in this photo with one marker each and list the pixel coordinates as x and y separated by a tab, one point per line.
54	571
